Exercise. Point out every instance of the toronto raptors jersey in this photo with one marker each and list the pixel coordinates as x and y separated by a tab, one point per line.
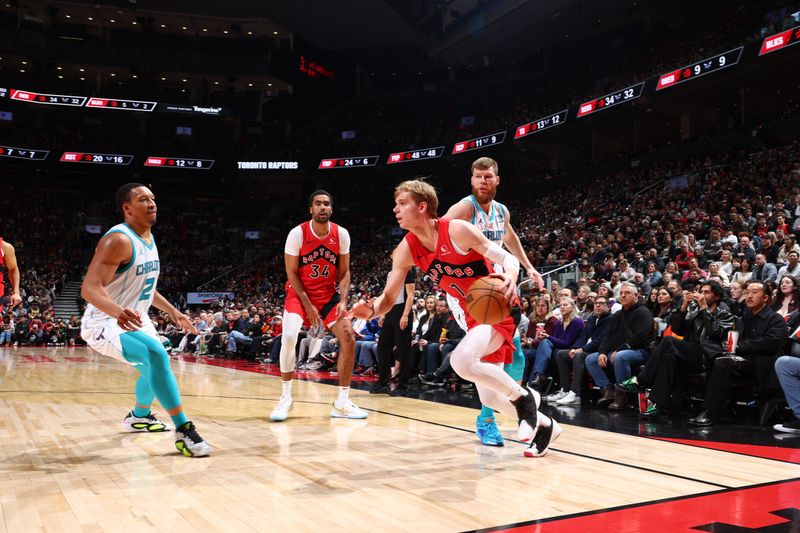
318	259
452	271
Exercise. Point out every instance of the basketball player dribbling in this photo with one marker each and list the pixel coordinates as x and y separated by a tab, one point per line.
494	220
317	257
120	286
454	253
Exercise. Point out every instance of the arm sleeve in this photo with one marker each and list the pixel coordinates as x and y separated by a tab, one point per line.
294	241
344	240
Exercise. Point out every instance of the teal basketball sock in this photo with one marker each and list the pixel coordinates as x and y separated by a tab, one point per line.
487	412
151	359
144	396
179	419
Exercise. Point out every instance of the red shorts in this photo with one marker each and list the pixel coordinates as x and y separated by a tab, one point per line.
506	328
328	310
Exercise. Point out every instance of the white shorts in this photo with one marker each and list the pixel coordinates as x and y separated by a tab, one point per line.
102	335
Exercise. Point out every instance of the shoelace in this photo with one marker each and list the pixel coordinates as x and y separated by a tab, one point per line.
191	433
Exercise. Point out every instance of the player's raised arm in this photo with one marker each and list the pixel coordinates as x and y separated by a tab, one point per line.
401	262
512	242
468	237
112	251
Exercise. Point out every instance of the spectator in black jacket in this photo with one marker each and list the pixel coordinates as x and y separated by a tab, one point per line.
703	321
625	344
430	340
588	342
762	338
451	336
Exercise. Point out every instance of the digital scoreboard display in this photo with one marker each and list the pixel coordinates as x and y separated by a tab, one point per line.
415	155
123	105
779	41
178	162
610	100
541	124
47	99
23	153
348	162
700	68
96	159
479	142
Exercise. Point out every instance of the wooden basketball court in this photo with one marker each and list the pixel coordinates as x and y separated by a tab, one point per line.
66	464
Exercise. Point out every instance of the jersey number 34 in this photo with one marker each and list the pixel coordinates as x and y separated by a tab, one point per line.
317	273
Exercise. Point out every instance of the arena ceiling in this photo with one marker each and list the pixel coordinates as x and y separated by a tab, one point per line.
514	27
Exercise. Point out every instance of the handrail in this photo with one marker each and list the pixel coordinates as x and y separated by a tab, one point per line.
237	267
662	180
528	281
562	267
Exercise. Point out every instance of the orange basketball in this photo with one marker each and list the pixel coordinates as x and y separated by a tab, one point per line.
486	303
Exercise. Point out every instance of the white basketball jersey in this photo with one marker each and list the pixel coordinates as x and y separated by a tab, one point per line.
493	224
134	283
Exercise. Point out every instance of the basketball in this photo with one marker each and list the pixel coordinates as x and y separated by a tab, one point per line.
486	302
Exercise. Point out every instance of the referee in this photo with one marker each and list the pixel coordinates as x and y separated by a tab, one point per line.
396	333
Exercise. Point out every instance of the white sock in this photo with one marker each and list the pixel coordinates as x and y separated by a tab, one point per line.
516	392
286	388
344	395
543	421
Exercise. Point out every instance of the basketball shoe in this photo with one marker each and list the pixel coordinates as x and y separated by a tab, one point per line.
347	410
528	414
189	442
487	432
543	439
281	412
148	423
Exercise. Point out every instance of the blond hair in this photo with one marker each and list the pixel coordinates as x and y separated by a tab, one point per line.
485	163
420	191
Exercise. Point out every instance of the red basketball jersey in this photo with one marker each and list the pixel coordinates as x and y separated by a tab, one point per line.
318	263
453	272
2	270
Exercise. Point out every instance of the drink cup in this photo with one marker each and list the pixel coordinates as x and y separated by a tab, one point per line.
733	341
539	328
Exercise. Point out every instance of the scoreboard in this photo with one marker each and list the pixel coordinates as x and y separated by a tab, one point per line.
701	68
348	162
415	155
610	100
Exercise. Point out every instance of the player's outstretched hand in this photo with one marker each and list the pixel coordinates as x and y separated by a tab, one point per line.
509	286
129	320
362	309
537	280
184	323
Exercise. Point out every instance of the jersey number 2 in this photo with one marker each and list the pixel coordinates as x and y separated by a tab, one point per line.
315	272
149	283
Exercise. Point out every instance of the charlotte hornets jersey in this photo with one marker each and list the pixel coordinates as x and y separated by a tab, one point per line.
493	224
134	283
